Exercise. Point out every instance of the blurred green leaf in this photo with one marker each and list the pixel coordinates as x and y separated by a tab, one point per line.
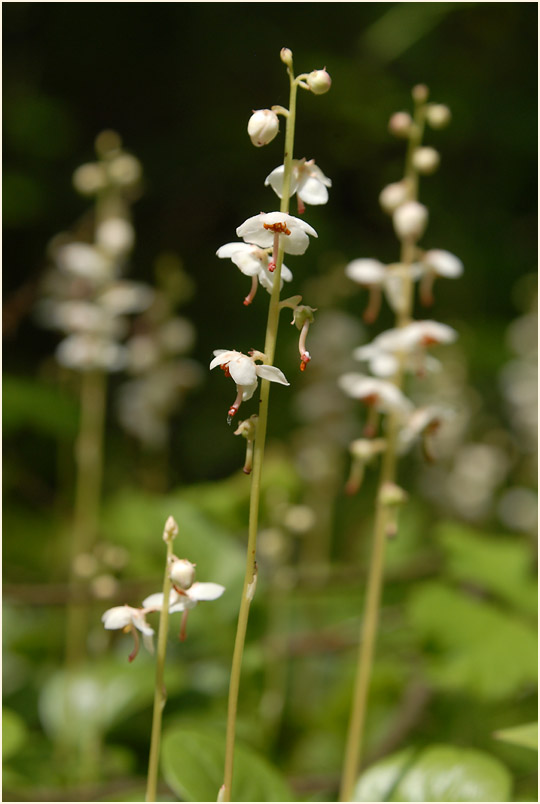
81	704
13	733
479	648
525	735
39	126
435	773
501	565
193	762
31	404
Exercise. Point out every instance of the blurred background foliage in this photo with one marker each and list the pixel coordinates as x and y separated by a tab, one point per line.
457	651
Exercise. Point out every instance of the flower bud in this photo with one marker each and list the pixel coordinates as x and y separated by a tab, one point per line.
426	160
393	195
89	178
420	93
438	115
285	55
182	572
400	124
170	530
410	220
392	495
262	127
319	82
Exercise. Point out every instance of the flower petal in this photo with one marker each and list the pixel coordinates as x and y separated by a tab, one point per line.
223	356
272	373
117	617
313	191
229	249
242	370
205	591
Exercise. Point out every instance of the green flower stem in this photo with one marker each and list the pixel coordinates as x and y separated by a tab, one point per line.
368	636
258	458
89	471
160	694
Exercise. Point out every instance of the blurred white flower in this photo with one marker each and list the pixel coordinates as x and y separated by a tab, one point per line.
84	260
115	236
380	394
87	352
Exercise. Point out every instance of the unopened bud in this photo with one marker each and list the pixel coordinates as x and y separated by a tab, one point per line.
319	82
400	124
248	428
89	178
182	572
438	115
263	126
393	195
410	220
426	160
420	93
170	530
392	495
303	313
286	56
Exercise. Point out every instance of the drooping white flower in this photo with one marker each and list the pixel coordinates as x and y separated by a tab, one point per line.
375	276
423	423
184	600
245	373
253	261
380	394
84	260
130	620
318	81
263	230
86	352
405	345
308	182
410	220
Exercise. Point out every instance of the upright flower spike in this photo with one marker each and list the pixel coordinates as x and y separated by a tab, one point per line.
275	229
245	372
307	181
254	262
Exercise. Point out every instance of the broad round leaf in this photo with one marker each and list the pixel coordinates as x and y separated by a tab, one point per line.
436	773
193	762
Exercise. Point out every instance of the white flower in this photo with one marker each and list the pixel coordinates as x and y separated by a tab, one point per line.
245	372
442	262
85	352
83	260
423	422
366	272
115	236
263	125
426	160
307	181
382	395
406	344
393	195
375	276
182	572
319	81
184	599
126	296
253	261
410	220
128	619
263	230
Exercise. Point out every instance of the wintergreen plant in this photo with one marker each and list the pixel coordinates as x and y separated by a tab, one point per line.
390	357
180	593
266	238
85	297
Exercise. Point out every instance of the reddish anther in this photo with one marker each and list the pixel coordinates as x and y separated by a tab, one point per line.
225	369
272	267
277	228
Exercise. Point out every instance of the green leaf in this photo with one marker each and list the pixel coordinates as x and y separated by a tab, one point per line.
475	646
525	735
501	565
436	773
193	761
13	733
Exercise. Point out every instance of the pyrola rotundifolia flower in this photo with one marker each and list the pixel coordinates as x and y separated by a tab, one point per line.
380	394
263	230
129	619
263	126
253	261
437	262
307	181
245	372
185	599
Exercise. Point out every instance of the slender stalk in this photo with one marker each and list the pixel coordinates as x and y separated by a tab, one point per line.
258	458
160	694
368	636
89	470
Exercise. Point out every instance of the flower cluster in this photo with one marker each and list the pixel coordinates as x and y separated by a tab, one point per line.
404	348
85	296
184	595
266	237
